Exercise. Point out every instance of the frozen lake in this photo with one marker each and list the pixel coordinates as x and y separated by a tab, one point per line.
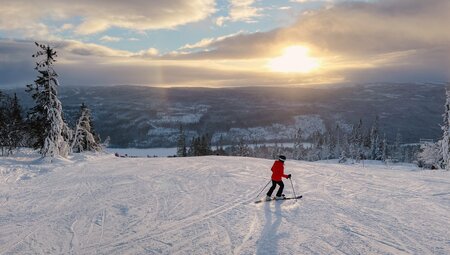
146	152
166	152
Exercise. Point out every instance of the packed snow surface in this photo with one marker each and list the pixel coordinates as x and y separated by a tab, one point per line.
101	204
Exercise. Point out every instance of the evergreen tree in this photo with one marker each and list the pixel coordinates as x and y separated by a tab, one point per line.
200	146
429	155
375	152
384	149
181	143
11	124
52	135
397	147
219	148
205	145
338	141
275	151
331	144
342	157
190	151
356	141
445	142
16	131
3	122
345	147
299	150
84	135
242	148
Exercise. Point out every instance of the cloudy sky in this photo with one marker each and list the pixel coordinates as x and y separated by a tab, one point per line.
228	42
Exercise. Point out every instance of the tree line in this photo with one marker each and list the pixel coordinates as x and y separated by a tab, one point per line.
358	143
44	127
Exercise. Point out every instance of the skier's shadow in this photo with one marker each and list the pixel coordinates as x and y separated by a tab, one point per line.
268	242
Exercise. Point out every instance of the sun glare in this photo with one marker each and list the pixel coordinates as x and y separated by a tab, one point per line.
295	59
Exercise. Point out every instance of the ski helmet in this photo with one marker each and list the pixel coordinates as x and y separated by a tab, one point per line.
282	158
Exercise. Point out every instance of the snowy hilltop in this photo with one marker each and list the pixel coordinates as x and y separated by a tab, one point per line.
101	204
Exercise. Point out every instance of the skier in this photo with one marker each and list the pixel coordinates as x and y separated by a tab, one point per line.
277	173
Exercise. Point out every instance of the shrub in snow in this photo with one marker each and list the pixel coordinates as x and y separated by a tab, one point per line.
429	156
343	158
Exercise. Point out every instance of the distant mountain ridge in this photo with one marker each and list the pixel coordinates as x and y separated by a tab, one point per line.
136	116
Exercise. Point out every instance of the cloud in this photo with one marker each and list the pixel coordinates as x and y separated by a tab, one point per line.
240	10
200	44
353	29
151	52
327	1
66	27
238	46
360	28
96	16
206	42
391	40
88	64
74	49
107	38
353	36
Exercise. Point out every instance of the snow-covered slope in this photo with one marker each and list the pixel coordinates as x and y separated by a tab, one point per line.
204	205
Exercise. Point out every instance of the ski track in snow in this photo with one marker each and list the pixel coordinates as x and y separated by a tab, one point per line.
204	205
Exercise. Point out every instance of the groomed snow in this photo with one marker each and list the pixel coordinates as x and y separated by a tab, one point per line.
101	204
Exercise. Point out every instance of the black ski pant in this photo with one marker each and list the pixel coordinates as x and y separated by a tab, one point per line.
280	190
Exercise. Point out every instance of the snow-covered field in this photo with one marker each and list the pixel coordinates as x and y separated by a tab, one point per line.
204	205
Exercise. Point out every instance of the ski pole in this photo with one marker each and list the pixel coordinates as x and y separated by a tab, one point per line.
293	188
263	189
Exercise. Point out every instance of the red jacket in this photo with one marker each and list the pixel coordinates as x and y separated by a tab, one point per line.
278	171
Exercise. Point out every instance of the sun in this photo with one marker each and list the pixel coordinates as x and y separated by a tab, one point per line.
295	59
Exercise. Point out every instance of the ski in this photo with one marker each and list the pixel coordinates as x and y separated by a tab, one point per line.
286	198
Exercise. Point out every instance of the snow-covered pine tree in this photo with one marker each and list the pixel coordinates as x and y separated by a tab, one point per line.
52	135
327	148
105	143
398	155
219	147
3	123
16	123
200	146
181	143
445	142
242	148
330	145
205	145
356	141
345	147
374	141
11	124
275	150
338	141
190	150
84	136
299	150
429	155
384	149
